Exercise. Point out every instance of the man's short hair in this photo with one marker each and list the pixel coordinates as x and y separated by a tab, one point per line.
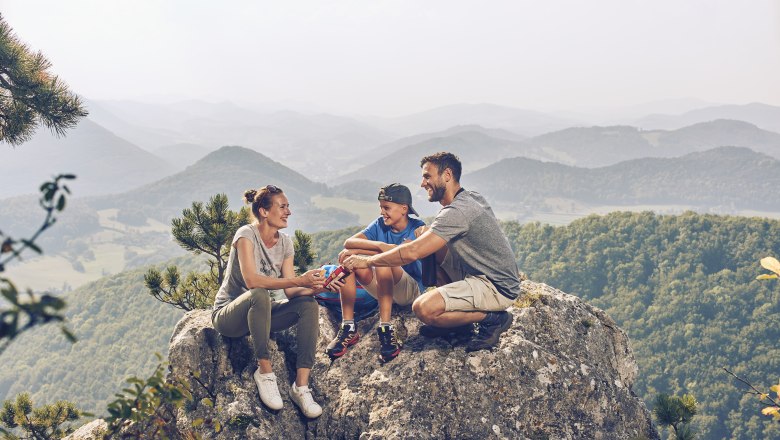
444	160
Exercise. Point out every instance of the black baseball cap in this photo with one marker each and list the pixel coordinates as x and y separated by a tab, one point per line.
397	193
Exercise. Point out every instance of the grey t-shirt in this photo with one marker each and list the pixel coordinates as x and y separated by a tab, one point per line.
268	262
475	238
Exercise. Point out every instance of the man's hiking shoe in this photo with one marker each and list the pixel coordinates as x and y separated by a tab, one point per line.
345	338
430	331
490	331
390	346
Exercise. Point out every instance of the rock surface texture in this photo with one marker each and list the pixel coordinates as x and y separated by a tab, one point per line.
563	371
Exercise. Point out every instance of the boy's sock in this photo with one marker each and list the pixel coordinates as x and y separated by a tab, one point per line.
349	322
385	324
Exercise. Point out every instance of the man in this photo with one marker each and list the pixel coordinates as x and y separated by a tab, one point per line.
473	252
400	285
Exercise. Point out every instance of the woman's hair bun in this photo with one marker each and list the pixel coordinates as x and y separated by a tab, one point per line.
249	195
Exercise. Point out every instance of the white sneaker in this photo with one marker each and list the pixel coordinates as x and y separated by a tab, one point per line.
269	392
302	397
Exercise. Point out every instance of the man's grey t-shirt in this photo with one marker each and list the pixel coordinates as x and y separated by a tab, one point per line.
268	262
475	238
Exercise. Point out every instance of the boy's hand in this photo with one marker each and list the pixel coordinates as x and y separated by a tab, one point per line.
420	231
336	285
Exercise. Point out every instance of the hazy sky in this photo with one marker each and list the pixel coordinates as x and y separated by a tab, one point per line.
394	57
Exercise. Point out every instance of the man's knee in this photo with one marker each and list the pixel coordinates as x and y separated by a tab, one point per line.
426	309
417	308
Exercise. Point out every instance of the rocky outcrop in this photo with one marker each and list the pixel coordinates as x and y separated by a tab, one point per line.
564	370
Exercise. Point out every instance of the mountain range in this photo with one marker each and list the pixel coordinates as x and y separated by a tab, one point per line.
725	177
103	162
230	170
764	116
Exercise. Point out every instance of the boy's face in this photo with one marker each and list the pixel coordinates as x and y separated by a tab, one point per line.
392	212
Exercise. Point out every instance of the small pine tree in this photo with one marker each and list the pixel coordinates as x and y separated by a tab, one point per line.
29	94
677	413
206	230
304	255
20	420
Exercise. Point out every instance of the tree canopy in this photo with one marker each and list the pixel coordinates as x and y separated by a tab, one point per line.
30	94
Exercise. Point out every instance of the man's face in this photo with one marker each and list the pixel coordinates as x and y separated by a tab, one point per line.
433	182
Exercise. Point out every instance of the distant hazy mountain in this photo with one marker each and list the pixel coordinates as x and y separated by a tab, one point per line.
146	125
382	150
103	162
474	148
764	116
599	146
229	170
182	155
722	177
628	114
300	140
526	122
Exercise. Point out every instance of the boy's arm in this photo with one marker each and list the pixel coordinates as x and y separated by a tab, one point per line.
359	241
427	244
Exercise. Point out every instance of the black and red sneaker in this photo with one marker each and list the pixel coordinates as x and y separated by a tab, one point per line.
345	338
389	344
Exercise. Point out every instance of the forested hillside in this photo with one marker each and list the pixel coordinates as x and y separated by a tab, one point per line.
684	289
119	327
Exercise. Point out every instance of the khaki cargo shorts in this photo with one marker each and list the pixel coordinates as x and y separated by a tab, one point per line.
405	291
471	293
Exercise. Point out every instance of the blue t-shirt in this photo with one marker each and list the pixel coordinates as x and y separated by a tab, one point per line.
378	231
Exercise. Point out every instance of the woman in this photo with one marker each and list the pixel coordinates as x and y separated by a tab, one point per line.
260	265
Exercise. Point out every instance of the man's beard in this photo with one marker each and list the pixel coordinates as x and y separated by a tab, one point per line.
437	193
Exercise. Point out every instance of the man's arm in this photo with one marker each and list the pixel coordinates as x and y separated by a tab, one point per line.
425	245
359	241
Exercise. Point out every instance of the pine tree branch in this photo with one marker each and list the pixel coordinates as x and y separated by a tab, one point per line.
756	391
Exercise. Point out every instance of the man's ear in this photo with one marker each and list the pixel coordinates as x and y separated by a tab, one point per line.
447	175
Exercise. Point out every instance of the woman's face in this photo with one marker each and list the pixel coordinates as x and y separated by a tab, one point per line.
392	212
277	215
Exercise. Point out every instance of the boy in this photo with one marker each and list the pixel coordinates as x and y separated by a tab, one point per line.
399	284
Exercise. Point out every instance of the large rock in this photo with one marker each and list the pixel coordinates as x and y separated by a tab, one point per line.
564	370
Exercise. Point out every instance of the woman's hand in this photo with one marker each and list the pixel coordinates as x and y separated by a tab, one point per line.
312	279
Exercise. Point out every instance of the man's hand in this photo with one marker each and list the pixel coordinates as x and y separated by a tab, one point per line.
344	254
357	262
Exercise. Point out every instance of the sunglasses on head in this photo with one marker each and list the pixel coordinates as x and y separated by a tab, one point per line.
273	189
384	197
